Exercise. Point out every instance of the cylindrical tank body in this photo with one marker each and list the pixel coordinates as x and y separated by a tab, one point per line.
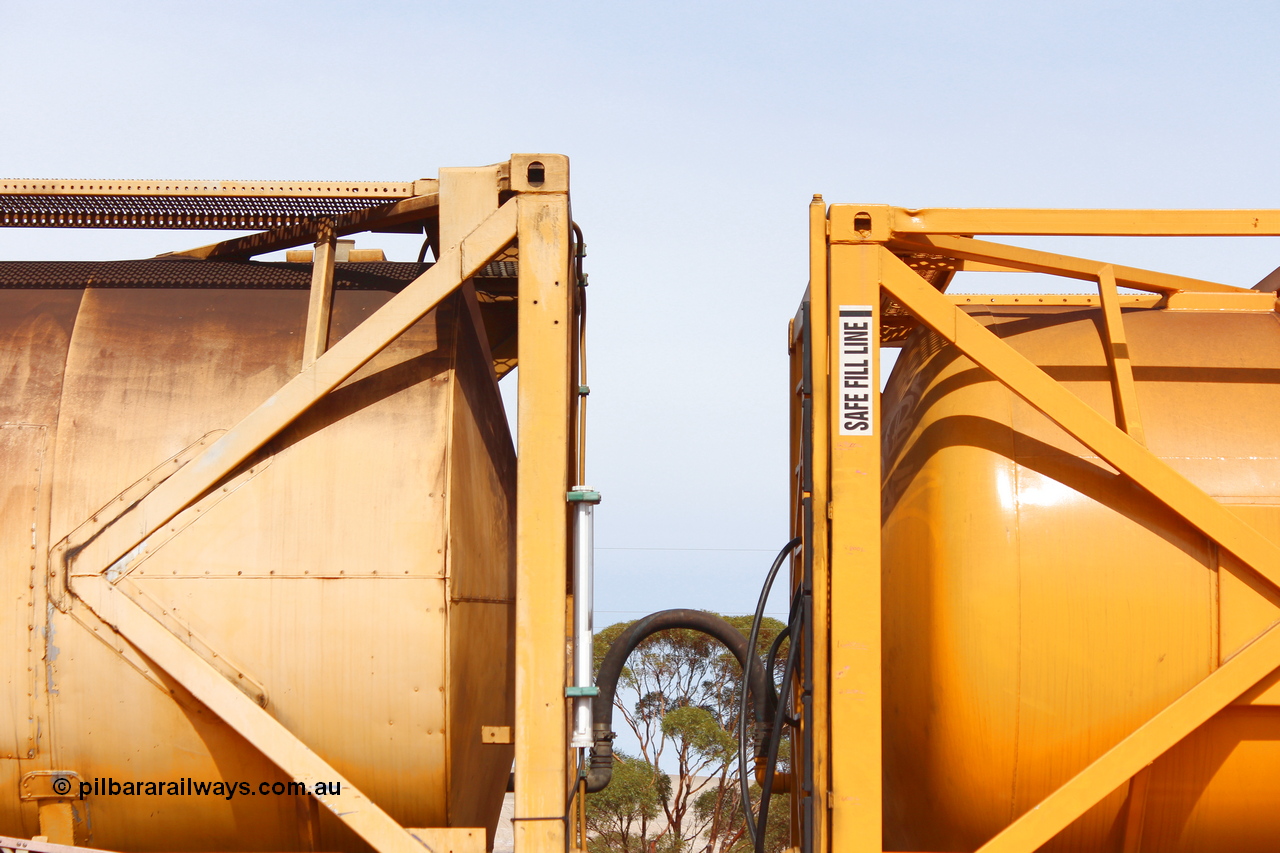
1038	606
356	575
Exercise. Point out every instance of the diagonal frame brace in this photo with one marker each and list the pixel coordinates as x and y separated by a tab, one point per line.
114	546
1123	389
1078	419
246	718
125	534
1147	743
1067	266
1211	694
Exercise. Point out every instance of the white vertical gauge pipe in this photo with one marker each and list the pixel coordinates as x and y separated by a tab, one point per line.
583	691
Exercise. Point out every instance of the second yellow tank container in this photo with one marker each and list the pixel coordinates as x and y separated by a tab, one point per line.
1038	606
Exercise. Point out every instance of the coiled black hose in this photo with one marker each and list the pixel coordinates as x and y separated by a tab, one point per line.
601	770
781	718
763	736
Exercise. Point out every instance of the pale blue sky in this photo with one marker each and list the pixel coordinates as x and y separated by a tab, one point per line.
698	133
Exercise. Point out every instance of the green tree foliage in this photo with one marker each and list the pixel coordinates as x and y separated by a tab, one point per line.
679	696
619	817
723	807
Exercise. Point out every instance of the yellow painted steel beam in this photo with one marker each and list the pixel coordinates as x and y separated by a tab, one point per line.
1068	266
1151	740
1126	223
243	715
315	339
115	546
853	421
369	219
819	547
1137	300
542	517
1124	391
1032	384
467	197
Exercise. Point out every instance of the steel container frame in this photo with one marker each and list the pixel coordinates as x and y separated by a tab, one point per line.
890	267
518	211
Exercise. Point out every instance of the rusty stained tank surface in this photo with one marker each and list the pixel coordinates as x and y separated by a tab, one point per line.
1038	607
356	576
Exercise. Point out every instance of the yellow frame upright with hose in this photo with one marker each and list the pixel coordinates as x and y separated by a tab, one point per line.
890	267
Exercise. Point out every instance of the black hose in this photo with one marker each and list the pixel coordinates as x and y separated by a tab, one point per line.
794	624
743	779
771	659
775	736
611	670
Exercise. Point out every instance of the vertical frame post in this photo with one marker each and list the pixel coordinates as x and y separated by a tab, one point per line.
854	429
546	358
320	303
815	819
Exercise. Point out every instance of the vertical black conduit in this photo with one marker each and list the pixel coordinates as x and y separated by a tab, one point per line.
807	840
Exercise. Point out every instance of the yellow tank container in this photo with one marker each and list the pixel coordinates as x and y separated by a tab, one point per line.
355	577
1038	606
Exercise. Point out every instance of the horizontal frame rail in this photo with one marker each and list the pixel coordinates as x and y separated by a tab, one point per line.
1088	223
288	236
1067	266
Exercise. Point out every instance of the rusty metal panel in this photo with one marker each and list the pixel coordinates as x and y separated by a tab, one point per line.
318	578
149	372
22	451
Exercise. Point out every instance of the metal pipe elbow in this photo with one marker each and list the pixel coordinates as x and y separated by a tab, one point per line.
600	771
781	781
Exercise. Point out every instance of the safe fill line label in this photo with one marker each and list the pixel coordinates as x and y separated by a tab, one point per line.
857	396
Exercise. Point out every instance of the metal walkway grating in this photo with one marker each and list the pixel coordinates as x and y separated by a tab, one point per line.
240	214
231	205
242	275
